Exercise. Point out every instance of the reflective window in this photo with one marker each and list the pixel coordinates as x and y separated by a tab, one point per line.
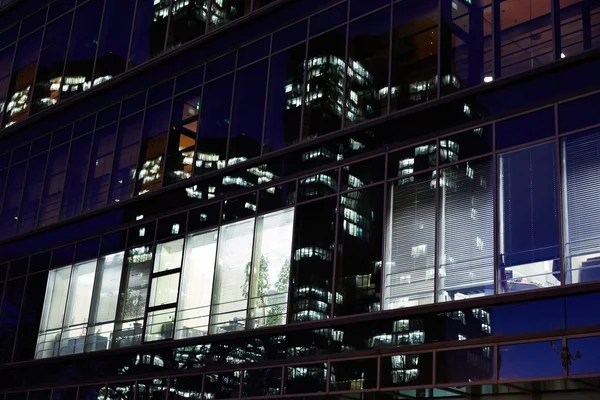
531	360
188	21
466	44
101	164
152	389
580	201
312	260
31	313
181	148
363	173
32	193
185	387
407	370
75	182
149	30
232	276
113	45
525	35
525	128
353	375
262	382
224	11
322	184
409	269
311	378
410	160
223	385
15	184
53	186
52	315
414	53
464	366
584	351
277	197
91	392
152	151
269	278
467	144
528	219
126	158
466	231
9	316
368	64
578	18
6	59
360	228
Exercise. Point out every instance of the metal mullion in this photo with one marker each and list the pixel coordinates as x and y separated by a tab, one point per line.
496	40
560	203
67	51
62	194
305	75
231	106
329	196
436	230
496	364
114	161
241	380
423	172
99	40
199	125
556	31
495	211
327	375
129	48
166	39
140	147
208	17
346	58
62	326
39	55
10	76
440	20
89	164
202	386
385	236
281	384
336	238
18	213
264	120
290	293
390	57
214	282
251	270
358	189
434	367
168	133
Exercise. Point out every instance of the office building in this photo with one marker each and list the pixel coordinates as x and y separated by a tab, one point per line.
363	199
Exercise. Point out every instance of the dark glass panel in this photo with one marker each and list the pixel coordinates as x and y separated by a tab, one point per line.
160	92
220	66
202	218
18	268
9	316
289	36
309	378
360	7
526	317
277	197
33	22
261	3
328	19
64	393
214	125
40	395
467	365
312	263
324	84
583	352
525	35
322	184
5	160
171	226
32	193
186	387
149	30
61	136
114	40
133	104
84	125
101	164
22	79
62	256
578	18
59	7
9	35
20	154
528	240
120	391
113	242
525	128
239	207
368	65
466	58
87	250
410	160
578	114
353	375
6	61
363	173
40	262
3	272
16	396
51	64
141	234
253	52
188	21
31	314
186	106
359	258
530	360
82	49
414	53
248	111
284	104
181	149
75	182
96	392
467	144
222	12
12	200
407	370
223	385
152	151
39	145
126	157
108	116
262	382
190	79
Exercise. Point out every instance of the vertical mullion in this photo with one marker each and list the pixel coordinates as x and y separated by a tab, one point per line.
99	41
496	40
168	127
150	277
264	130
305	75
231	108
11	73
18	213
182	263
208	16
390	63
140	148
67	51
385	235
214	282
556	42
39	55
495	211
336	237
346	58
166	39
560	193
199	124
114	151
439	52
251	270
37	212
434	367
436	241
122	282
62	195
20	314
290	293
89	164
131	35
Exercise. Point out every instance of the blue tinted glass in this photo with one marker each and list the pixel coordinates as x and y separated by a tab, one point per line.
526	317
9	36
59	7
586	352
160	92
220	66
87	250
12	199
41	144
9	316
63	256
328	19
450	365
61	136
360	7
33	22
20	154
253	52
76	177
40	262
579	113
84	125
189	80
578	314
113	242
531	360
18	268
526	128
108	116
133	104
31	312
289	36
32	193
98	180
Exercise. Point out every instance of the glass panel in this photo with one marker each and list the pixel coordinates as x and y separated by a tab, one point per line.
164	290
467	144
152	152
414	53
353	375
40	395
368	64
224	11
466	231
362	173
32	193
132	301
187	105
160	324
312	265
186	387
168	256
525	128
31	313
15	184
262	382
310	378
525	35
149	31
247	126
53	187
464	366
96	392
172	226
82	49
101	165
181	151
466	44
579	21
410	160
270	269
78	308
407	370
324	84
239	207
196	285
578	364
50	67
224	385
277	197
126	157
528	244
410	243
358	280
188	21
6	60
322	184
55	301
284	104
530	360
152	389
120	391
214	125
76	178
9	317
328	19
580	202
231	277
64	393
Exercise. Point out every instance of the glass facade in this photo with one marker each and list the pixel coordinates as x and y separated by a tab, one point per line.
337	198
